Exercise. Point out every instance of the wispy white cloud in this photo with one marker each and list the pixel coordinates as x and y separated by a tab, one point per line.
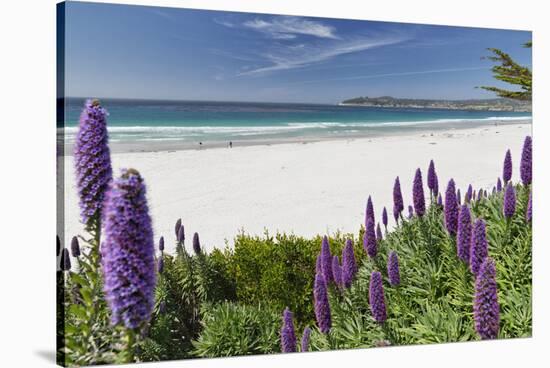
301	55
225	23
285	27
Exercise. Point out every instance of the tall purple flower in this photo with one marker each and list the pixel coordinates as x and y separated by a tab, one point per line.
326	260
451	208
478	246
92	161
468	196
509	201
337	272
439	200
369	239
411	212
369	212
499	185
65	260
418	194
526	164
397	199
376	298
288	337
177	227
305	339
322	306
464	233
507	167
479	194
181	234
349	267
127	255
385	218
379	235
433	183
486	307
196	243
75	247
393	269
161	243
529	211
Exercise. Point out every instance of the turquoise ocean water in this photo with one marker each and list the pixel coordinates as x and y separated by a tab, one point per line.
191	122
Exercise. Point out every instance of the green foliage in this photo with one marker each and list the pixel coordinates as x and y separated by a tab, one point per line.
511	72
232	329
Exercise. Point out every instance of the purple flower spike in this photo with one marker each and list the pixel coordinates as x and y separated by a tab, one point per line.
397	199
411	212
65	260
499	185
337	272
322	306
161	243
439	200
127	255
326	260
379	235
486	307
177	228
469	193
349	267
433	183
451	208
479	194
196	243
75	247
305	339
369	239
288	337
369	213
526	165
529	211
385	218
376	298
160	265
181	234
464	233
478	246
458	199
393	269
92	161
507	167
509	201
418	194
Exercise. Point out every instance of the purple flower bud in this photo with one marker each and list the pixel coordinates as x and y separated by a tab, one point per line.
509	201
127	255
458	199
397	199
337	272
529	211
439	200
507	167
464	233
160	265
451	208
369	212
161	243
58	245
305	339
177	228
196	243
75	247
326	260
478	247
526	161
379	236
499	185
418	194
385	218
92	161
288	337
393	269
433	183
411	212
376	298
479	194
369	239
486	307
468	196
322	306
65	260
181	234
349	267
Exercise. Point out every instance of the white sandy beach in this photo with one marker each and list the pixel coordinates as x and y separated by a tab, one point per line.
307	189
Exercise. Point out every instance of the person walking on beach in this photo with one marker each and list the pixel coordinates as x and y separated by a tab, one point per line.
230	144
200	145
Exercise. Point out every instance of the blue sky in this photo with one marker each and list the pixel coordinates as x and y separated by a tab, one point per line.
166	53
